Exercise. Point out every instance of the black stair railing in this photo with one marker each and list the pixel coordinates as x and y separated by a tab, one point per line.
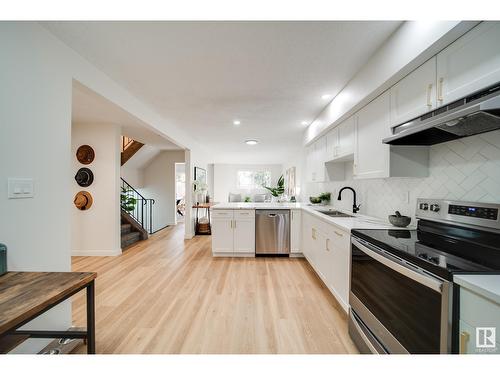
138	207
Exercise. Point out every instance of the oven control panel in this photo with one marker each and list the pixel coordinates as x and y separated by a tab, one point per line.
471	211
474	213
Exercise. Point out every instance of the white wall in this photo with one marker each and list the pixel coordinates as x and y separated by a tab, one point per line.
410	46
134	176
159	184
97	231
467	169
35	142
36	73
225	179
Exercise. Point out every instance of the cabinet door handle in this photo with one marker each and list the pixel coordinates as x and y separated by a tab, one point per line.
235	224
231	224
440	89
327	244
429	91
464	339
313	233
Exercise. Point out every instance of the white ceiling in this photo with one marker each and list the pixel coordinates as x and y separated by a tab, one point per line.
90	108
203	75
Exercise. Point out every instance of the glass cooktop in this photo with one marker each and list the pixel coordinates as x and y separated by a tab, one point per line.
442	249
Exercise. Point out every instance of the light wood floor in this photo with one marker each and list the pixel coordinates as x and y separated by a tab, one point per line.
168	295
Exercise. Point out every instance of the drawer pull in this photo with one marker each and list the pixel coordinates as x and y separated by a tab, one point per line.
338	233
464	339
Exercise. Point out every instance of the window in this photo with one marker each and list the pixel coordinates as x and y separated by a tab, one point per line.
253	179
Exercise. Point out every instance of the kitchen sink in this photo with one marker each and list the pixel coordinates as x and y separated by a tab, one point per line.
334	213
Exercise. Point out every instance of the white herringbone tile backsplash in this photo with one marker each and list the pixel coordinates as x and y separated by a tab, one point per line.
467	169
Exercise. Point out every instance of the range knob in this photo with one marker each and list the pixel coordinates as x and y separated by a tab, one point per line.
424	206
434	207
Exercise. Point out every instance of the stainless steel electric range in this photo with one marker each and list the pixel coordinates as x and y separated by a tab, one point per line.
401	289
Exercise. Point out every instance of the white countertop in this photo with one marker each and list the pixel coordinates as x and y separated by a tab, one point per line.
257	205
485	285
346	223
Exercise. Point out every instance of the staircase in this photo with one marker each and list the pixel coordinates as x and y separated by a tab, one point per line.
136	215
129	147
129	236
136	211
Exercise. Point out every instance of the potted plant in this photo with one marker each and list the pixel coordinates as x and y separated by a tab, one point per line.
127	201
277	191
200	190
325	197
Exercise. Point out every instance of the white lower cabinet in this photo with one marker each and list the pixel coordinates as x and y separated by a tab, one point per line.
295	231
233	232
244	231
327	249
478	315
222	232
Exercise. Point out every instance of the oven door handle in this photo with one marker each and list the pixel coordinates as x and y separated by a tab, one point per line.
417	275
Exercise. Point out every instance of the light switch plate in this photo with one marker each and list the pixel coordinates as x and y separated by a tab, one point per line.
20	188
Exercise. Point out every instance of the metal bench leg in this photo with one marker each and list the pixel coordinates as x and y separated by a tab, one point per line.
90	319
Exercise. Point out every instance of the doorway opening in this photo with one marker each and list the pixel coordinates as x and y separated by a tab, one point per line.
180	192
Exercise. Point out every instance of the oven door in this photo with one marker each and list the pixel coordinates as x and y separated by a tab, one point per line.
404	308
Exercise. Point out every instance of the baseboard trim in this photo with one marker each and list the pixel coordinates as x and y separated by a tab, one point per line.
96	253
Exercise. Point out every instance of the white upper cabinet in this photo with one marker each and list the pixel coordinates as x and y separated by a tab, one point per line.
310	173
340	141
346	138
315	160
371	159
332	142
469	64
374	159
415	94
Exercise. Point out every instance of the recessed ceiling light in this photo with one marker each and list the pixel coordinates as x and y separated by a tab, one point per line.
305	123
251	142
326	96
236	122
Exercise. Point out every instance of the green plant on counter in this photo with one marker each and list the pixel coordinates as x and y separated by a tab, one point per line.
248	199
325	197
127	201
279	189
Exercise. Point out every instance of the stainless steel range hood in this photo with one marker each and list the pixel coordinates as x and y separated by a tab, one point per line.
474	114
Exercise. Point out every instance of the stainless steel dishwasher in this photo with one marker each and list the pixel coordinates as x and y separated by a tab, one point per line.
272	232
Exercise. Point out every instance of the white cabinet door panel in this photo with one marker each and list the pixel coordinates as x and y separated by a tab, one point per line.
345	144
415	94
222	234
371	159
244	235
469	64
341	261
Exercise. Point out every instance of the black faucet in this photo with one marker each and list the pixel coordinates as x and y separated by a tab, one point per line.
355	208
